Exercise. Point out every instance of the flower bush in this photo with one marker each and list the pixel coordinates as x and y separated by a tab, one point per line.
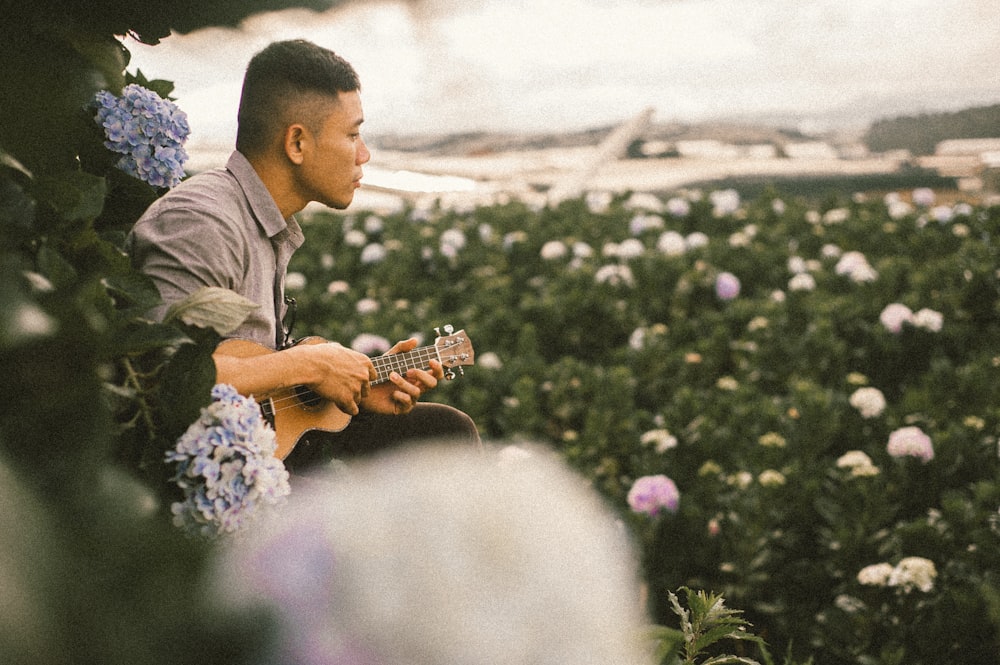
147	130
770	409
225	466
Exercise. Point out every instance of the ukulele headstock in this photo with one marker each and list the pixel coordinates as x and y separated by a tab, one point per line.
454	350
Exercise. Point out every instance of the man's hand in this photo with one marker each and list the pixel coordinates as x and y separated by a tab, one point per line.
342	375
400	394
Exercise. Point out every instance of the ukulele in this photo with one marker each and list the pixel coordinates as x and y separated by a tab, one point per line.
296	411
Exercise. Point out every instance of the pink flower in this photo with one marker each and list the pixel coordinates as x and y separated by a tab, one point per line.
894	316
727	286
910	442
650	494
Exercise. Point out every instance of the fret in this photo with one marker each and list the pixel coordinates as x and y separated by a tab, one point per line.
400	362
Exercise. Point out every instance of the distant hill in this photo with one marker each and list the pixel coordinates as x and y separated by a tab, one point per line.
920	134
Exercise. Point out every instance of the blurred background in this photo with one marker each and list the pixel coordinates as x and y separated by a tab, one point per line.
718	79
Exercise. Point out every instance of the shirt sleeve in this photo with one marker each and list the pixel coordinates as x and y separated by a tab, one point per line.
184	249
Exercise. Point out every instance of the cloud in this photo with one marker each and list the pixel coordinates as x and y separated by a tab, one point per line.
444	65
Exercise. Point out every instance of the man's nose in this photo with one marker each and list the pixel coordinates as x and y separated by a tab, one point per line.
363	153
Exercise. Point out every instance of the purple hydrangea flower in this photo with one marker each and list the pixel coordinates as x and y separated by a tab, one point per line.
651	494
225	466
910	442
727	286
147	130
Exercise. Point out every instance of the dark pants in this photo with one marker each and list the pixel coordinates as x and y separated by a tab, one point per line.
372	433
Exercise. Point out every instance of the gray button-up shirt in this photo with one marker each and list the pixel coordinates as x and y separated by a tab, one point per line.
219	228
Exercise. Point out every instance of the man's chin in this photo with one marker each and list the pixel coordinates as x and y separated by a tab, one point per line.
340	204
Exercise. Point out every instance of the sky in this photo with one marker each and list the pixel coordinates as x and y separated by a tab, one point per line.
433	66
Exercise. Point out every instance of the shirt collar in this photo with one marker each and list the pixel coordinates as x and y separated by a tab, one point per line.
265	210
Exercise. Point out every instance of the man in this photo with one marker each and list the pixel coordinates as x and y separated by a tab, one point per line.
298	140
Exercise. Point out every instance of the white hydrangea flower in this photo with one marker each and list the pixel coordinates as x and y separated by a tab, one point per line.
928	319
877	574
914	572
869	401
660	439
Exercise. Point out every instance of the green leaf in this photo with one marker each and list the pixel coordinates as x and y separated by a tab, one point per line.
104	53
55	267
212	307
74	195
186	386
143	338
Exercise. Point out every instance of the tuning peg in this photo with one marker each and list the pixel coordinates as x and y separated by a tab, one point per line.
449	375
449	329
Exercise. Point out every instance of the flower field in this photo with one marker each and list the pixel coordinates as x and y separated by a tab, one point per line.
793	404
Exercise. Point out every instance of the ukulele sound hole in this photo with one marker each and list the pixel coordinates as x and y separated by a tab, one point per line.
307	397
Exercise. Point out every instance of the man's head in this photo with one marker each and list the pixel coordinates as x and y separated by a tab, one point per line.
288	82
300	125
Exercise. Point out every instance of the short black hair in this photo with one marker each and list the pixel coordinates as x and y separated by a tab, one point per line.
277	82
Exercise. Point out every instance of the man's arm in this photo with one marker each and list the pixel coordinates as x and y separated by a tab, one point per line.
337	373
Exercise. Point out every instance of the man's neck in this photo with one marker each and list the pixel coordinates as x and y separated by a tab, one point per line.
278	181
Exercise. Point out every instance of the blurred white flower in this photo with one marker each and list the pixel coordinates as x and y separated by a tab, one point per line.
660	439
337	287
894	316
923	196
678	207
615	275
489	360
910	442
643	201
877	574
742	480
553	249
696	239
913	572
367	306
856	267
631	248
771	478
373	253
582	250
453	239
724	202
598	202
772	440
870	402
898	209
370	345
928	319
796	264
941	214
389	561
727	383
830	251
671	243
642	223
739	239
858	462
836	216
778	207
355	238
802	282
295	281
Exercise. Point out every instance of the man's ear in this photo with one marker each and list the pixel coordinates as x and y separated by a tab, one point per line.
295	137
